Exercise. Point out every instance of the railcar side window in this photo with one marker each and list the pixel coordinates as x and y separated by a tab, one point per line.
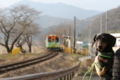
57	39
49	39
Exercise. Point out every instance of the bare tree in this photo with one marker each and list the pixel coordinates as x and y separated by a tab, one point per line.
15	21
32	31
20	42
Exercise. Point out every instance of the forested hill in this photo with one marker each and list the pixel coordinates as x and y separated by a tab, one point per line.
46	21
113	23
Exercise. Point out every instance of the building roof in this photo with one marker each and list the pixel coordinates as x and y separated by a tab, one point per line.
117	35
79	42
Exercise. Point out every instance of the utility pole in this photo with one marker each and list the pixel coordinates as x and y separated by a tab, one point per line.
101	24
70	38
74	33
69	30
106	28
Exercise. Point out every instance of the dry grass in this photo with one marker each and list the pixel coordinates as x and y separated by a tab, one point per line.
85	66
62	61
8	58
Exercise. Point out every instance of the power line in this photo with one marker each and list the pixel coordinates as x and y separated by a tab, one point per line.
101	24
106	28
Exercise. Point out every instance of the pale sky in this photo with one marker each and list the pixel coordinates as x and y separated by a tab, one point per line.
99	5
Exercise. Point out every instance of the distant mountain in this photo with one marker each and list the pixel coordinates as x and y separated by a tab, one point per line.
80	26
60	10
55	14
46	21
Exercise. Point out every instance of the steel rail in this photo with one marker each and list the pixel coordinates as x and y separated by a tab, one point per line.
14	66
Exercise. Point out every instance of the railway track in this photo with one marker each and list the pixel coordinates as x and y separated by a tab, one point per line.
13	66
65	74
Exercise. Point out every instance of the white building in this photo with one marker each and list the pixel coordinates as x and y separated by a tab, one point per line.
117	35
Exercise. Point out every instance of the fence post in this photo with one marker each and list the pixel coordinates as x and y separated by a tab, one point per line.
70	76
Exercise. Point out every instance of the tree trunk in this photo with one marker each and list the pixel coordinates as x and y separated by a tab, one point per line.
30	48
8	50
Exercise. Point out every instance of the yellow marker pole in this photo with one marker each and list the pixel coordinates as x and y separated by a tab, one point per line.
16	51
